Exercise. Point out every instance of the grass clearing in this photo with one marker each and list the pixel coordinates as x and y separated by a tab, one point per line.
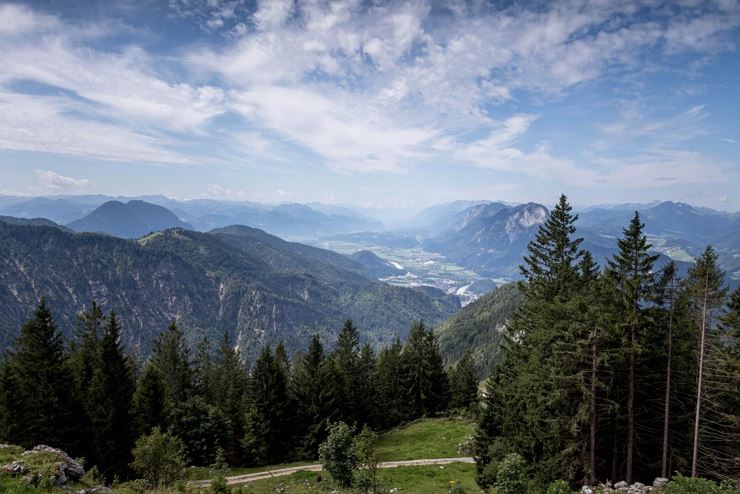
412	480
427	438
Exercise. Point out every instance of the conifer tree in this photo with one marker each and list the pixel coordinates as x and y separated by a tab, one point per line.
720	440
110	395
40	400
366	393
229	394
391	397
424	379
147	408
537	398
464	383
704	284
631	272
203	369
346	355
267	436
314	386
171	359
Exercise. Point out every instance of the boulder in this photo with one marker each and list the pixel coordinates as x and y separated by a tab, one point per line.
99	489
621	486
586	490
660	482
66	468
16	468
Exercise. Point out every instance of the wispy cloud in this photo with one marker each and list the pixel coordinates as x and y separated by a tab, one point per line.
357	87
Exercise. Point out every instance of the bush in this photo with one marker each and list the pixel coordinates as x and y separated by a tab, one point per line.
697	485
559	487
367	460
337	454
510	477
219	470
159	458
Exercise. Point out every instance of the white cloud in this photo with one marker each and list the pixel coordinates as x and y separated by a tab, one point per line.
53	182
225	193
359	87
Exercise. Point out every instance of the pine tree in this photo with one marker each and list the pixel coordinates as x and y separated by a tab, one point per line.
110	395
631	272
366	393
147	409
203	370
346	355
720	441
424	379
391	397
668	289
171	360
464	383
229	390
539	404
314	386
40	400
267	438
704	284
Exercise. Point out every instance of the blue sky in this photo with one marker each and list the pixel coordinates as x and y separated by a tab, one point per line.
377	104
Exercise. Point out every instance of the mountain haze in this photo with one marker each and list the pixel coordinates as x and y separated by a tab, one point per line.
128	220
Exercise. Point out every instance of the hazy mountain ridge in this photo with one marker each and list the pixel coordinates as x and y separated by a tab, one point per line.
128	220
209	283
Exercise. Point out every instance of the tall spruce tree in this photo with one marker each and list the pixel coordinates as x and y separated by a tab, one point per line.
229	389
464	383
110	396
631	271
314	386
171	360
704	284
424	379
40	399
721	438
147	408
391	397
347	357
533	398
267	435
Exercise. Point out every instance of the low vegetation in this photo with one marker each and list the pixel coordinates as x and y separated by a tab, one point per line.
426	438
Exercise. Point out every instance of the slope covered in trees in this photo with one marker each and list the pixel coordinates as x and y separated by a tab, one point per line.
241	281
478	328
204	403
623	373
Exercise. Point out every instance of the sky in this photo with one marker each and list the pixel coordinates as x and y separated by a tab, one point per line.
372	103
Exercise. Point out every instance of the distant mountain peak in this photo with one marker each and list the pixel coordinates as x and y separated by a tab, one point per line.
132	219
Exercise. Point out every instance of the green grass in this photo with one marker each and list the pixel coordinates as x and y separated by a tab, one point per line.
429	438
411	480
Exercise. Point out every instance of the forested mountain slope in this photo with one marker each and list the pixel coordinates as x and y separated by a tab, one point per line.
243	281
478	327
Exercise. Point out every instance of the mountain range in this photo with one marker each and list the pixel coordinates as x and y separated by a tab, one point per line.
290	220
241	280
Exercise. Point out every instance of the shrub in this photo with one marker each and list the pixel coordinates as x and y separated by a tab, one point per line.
510	477
559	487
159	458
697	485
367	460
337	454
219	469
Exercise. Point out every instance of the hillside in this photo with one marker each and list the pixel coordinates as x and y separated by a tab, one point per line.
243	281
128	220
477	327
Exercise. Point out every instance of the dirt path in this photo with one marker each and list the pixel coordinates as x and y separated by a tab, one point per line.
316	467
